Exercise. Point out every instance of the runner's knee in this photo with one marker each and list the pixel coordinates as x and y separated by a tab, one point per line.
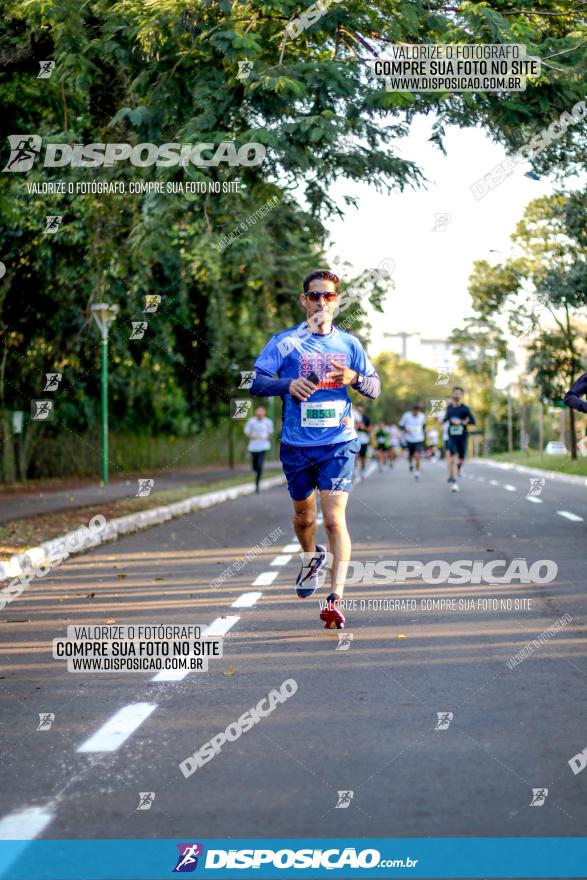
334	521
304	519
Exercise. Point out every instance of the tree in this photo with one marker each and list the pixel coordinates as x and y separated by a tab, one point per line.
543	284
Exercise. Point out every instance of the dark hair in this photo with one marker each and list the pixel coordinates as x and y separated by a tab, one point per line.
458	388
325	274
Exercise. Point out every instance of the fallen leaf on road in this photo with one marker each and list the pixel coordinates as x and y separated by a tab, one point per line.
91	596
159	579
111	620
231	670
121	575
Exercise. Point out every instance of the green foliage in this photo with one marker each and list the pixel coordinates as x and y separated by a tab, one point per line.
134	72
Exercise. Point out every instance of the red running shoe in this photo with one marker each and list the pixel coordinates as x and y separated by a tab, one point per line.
331	615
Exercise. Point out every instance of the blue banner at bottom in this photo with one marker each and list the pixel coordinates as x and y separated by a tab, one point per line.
306	858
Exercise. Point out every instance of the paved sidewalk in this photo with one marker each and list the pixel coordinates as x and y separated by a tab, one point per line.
16	505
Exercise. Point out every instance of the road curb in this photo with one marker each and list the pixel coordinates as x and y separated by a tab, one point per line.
65	545
535	472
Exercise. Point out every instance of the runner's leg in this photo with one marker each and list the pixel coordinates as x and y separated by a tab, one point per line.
339	541
304	522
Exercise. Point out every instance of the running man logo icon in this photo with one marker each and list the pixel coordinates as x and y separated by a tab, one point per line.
441	222
240	408
536	486
46	69
52	222
138	329
247	378
436	408
244	70
46	719
152	300
539	795
339	484
344	641
24	149
53	380
344	800
145	487
444	719
188	857
146	799
444	375
41	410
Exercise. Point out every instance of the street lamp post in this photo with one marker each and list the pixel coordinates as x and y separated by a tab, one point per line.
104	314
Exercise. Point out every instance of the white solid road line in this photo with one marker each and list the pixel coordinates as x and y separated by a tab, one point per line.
247	600
218	627
493	483
118	728
295	547
509	487
25	824
281	560
533	500
265	578
568	515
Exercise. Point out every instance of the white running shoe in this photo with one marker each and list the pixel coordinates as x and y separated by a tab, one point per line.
455	487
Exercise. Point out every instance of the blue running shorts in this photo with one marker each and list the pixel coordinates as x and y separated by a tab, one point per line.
318	467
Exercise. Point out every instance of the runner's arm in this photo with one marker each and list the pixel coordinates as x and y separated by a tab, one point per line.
575	393
371	384
265	386
266	366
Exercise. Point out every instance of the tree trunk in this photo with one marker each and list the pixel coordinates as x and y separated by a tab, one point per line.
8	456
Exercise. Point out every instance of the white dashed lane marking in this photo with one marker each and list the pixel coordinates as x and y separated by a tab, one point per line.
493	483
25	824
281	560
295	547
509	487
265	578
533	500
568	515
118	728
218	627
247	600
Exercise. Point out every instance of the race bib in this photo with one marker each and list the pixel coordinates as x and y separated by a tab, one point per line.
456	430
322	415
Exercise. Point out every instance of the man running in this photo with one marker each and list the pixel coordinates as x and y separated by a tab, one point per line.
383	445
458	417
363	429
413	424
259	430
315	363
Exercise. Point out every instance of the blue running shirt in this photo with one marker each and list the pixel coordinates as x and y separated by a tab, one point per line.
296	352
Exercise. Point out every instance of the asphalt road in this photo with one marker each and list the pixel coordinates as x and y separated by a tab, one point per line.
362	720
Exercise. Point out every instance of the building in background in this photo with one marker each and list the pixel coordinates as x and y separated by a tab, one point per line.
432	353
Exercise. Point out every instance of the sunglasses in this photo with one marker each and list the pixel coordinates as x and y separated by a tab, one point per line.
315	295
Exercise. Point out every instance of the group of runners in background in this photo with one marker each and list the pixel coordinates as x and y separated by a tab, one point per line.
412	435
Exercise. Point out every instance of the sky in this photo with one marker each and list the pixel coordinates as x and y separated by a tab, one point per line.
432	267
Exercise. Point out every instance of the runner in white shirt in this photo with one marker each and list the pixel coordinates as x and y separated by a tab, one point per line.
432	438
395	436
259	430
413	424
